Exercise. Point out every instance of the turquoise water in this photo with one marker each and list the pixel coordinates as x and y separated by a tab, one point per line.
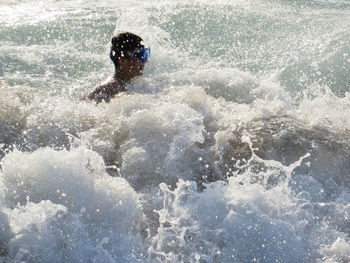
232	147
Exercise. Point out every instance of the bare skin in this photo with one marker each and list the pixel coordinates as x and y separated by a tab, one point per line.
127	70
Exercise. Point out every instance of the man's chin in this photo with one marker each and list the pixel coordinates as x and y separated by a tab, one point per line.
137	74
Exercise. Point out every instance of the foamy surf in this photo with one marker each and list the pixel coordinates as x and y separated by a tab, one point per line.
233	146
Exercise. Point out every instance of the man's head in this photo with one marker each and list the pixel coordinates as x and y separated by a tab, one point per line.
127	54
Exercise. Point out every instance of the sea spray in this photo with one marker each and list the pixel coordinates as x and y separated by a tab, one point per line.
232	147
52	199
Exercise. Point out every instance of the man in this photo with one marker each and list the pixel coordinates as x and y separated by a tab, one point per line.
129	57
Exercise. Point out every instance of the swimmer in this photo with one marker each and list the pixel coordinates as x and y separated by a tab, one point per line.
129	57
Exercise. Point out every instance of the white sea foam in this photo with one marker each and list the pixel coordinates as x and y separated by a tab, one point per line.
64	203
233	147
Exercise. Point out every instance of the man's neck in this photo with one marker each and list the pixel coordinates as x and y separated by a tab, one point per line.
122	78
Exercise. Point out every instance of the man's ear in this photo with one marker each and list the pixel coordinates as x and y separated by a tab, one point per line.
120	61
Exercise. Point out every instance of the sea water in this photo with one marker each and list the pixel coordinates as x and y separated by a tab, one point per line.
234	146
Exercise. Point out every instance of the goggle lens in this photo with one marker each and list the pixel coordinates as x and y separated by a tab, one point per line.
143	54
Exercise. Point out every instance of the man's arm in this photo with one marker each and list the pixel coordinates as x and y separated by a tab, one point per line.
106	92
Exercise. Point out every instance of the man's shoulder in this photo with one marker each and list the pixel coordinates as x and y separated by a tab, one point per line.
106	91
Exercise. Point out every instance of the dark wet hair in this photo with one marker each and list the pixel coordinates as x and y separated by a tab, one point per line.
122	44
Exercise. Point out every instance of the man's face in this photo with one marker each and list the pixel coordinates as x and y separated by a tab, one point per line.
136	66
131	67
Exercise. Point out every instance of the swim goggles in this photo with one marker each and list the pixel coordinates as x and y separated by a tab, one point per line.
142	54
